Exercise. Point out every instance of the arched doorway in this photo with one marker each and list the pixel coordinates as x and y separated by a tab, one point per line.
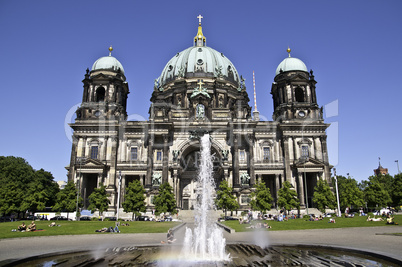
189	167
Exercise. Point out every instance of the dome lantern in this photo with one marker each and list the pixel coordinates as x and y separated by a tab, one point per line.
198	61
199	39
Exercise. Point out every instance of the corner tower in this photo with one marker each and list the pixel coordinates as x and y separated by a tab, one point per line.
98	127
293	92
105	90
301	127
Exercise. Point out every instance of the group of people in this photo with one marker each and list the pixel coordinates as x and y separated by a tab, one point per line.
30	228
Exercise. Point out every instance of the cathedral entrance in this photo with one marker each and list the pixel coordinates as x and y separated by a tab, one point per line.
190	163
269	180
311	179
88	184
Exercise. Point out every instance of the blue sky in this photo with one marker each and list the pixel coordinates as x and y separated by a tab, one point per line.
353	48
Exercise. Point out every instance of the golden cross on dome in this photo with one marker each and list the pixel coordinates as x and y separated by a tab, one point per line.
199	19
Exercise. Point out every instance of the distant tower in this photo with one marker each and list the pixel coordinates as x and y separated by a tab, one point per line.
380	170
255	112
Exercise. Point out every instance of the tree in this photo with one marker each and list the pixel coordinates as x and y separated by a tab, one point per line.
15	174
323	196
165	200
397	191
41	192
261	198
349	192
387	183
225	200
66	199
24	189
134	198
287	197
376	195
98	200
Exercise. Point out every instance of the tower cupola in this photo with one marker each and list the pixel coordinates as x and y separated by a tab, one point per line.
105	90
293	91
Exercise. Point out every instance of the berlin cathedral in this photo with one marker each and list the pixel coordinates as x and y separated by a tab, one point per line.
199	91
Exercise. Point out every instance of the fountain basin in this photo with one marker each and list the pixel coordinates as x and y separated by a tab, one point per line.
241	255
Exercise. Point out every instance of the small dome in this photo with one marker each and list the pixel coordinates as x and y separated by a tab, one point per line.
199	61
291	64
107	63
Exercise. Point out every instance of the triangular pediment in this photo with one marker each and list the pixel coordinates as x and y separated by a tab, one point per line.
309	163
92	163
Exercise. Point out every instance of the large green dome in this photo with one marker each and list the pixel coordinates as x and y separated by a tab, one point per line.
199	62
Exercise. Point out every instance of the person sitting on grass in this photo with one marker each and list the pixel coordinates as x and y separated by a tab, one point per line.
267	226
332	220
32	227
22	227
170	237
52	224
390	220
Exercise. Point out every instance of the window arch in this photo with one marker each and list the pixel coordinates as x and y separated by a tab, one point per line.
299	94
100	94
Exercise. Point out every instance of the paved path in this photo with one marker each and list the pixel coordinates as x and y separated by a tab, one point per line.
363	238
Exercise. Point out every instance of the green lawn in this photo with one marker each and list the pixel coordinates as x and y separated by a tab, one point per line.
83	227
301	224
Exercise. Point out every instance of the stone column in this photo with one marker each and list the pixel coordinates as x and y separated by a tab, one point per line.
86	148
251	160
123	184
99	179
296	151
148	179
175	187
277	186
287	160
300	189
73	159
113	163
235	154
165	162
104	149
324	148
259	177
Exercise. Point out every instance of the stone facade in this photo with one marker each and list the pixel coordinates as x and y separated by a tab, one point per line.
107	148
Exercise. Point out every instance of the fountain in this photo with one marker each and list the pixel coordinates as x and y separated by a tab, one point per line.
206	243
206	246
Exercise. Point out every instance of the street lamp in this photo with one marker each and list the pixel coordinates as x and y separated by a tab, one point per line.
337	194
397	164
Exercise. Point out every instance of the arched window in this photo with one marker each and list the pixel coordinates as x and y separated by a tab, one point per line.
299	94
100	94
